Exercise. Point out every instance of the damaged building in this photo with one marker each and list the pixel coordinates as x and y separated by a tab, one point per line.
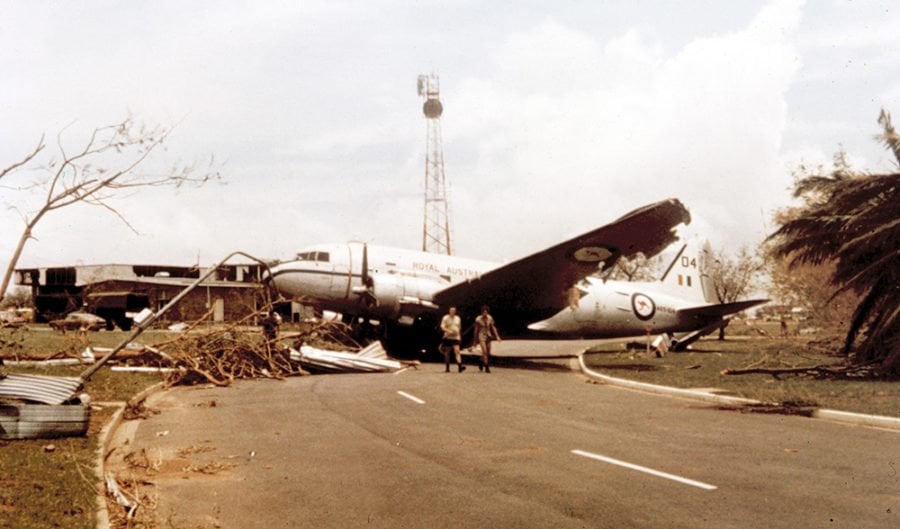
116	291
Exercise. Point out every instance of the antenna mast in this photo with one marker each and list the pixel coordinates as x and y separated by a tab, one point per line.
436	229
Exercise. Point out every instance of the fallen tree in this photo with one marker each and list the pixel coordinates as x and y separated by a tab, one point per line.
775	367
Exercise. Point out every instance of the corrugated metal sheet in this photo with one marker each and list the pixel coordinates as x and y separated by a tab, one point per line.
32	421
43	389
372	359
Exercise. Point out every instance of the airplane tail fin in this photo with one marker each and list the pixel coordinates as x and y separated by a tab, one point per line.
688	274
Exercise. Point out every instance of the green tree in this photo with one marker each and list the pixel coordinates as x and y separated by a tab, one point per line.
809	286
19	298
734	278
853	219
638	268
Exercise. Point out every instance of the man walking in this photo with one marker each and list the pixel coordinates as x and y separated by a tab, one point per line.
451	325
485	332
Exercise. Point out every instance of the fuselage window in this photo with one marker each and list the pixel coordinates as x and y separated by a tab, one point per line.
322	257
313	256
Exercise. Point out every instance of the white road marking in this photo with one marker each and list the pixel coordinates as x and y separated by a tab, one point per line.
417	400
639	468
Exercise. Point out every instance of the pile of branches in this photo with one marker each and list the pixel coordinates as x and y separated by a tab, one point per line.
221	356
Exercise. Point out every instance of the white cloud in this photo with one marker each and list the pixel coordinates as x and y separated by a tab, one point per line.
556	119
582	145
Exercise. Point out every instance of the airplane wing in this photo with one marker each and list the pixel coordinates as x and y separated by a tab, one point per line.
537	286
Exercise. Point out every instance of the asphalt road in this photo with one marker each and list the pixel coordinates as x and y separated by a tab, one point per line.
514	448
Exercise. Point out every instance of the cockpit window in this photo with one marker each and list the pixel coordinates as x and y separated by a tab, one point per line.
313	256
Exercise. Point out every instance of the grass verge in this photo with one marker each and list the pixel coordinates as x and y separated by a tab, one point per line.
701	367
53	482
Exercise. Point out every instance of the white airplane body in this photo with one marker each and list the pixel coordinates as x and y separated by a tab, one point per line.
331	276
406	289
680	305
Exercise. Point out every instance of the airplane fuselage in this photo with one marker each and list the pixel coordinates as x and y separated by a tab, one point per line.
402	281
612	309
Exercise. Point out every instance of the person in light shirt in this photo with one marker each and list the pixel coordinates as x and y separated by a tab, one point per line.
451	325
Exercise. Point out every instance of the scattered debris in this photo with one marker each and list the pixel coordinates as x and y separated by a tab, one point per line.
20	419
776	367
143	369
37	388
801	408
210	468
195	449
113	490
660	345
135	410
43	406
371	359
86	357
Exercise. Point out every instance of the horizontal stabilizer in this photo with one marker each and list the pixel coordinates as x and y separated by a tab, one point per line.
721	309
681	340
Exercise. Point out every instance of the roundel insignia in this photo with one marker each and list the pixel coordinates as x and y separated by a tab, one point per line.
591	254
643	306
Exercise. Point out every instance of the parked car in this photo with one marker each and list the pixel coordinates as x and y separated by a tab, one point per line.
14	317
78	320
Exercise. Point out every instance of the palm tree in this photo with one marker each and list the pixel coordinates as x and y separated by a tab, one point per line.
853	219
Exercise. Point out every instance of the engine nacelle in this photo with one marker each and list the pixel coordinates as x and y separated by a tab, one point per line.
399	295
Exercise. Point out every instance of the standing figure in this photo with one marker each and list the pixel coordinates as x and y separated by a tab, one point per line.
485	332
451	326
270	325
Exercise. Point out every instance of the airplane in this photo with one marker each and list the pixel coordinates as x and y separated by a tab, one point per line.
680	307
408	291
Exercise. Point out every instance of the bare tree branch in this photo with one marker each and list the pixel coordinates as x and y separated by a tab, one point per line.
25	160
89	175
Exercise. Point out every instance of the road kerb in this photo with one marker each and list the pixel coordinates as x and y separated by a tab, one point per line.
860	419
107	433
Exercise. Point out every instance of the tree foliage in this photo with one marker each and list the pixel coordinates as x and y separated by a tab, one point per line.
808	286
852	220
637	268
733	278
105	165
19	298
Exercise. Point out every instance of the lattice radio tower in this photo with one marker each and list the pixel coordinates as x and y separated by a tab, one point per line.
436	229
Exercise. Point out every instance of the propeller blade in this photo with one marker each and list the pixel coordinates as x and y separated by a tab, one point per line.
368	296
366	280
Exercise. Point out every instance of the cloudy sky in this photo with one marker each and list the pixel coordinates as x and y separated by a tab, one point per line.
558	116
